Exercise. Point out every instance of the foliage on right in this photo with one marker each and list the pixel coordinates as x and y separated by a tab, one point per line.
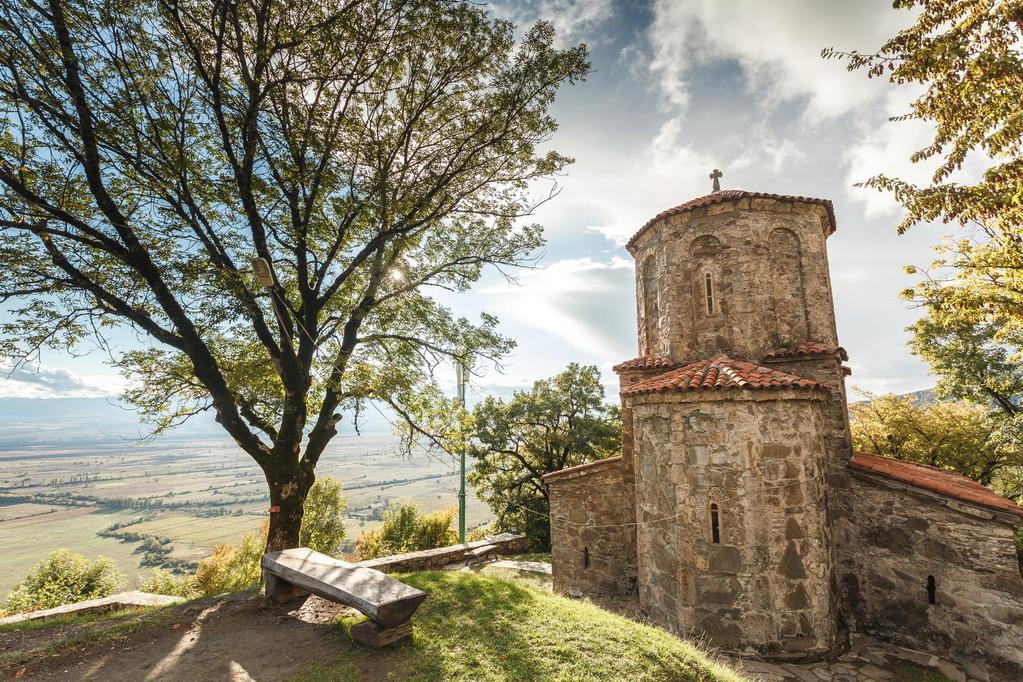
964	58
961	60
561	422
956	435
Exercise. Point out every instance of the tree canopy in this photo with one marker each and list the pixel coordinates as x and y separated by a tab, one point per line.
960	436
559	423
966	59
367	152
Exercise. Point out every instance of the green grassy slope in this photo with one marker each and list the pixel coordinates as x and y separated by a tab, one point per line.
479	628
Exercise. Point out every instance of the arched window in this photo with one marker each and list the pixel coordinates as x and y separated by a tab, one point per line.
932	590
715	525
708	287
651	314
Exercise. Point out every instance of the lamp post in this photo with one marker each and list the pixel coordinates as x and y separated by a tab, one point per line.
461	379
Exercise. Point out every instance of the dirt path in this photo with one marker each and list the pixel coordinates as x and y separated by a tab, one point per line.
238	638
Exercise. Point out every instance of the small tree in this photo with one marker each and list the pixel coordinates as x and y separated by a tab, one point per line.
559	423
64	577
323	524
407	529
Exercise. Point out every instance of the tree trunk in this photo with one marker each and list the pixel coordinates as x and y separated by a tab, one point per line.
288	491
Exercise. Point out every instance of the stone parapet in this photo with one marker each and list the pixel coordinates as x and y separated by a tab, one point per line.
428	559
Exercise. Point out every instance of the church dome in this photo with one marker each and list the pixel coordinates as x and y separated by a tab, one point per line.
723	196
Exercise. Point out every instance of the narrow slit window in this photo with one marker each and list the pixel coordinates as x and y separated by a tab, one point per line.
586	557
715	525
932	590
708	283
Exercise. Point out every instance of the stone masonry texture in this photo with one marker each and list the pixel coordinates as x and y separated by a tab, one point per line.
734	513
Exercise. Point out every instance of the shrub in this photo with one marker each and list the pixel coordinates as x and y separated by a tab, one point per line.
162	581
479	532
64	577
323	523
407	529
236	567
231	567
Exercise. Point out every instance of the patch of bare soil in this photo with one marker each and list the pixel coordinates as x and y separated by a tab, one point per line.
237	638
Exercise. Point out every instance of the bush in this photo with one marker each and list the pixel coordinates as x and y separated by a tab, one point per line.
236	567
228	569
162	581
323	523
407	529
64	577
479	532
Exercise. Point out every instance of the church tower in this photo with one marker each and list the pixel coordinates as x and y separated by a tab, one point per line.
735	424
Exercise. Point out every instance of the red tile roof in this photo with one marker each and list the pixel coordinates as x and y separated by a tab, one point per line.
644	362
730	195
720	373
941	481
809	348
578	469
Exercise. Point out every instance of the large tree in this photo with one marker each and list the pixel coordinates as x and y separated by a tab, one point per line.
965	59
368	151
561	422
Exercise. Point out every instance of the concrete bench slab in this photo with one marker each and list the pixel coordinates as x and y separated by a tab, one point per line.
386	601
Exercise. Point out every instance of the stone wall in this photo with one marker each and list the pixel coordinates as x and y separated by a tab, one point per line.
897	538
429	559
769	277
767	586
590	549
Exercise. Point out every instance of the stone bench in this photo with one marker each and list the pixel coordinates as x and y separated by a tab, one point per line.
388	603
480	554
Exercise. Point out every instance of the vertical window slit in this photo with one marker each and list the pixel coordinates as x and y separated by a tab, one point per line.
586	557
932	590
708	283
715	526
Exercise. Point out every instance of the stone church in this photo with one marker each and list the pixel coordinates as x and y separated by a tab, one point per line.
737	510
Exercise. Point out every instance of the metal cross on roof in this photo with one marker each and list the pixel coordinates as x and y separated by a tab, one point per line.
716	177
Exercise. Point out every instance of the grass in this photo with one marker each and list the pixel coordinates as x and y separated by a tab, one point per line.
74	619
78	629
543	557
480	628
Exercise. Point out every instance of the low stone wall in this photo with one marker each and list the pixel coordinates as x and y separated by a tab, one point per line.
589	543
895	540
507	543
115	602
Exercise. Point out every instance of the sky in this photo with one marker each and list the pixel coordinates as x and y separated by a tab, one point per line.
681	87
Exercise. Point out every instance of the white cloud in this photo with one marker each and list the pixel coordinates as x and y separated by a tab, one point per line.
574	21
777	45
39	381
564	300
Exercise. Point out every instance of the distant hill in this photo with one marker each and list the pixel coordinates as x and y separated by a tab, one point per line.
62	422
928	396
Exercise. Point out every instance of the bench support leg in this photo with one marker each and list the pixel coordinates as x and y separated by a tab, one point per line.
375	635
279	590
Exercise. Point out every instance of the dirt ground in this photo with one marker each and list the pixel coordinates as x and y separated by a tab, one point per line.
238	638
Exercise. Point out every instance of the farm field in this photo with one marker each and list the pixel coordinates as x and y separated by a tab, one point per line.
197	493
